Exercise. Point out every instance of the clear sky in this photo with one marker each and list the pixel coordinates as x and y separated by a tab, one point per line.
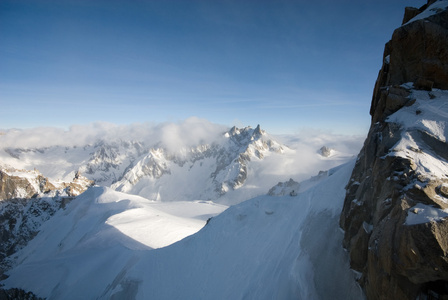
284	64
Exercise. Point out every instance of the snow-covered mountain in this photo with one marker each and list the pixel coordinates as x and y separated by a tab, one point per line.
214	168
22	184
269	247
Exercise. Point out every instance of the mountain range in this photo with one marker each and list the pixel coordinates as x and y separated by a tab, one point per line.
230	169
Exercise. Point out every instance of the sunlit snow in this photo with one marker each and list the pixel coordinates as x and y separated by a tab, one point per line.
426	119
422	213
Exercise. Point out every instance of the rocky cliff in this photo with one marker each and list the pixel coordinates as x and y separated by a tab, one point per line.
24	184
395	214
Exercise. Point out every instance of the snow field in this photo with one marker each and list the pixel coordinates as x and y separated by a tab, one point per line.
264	248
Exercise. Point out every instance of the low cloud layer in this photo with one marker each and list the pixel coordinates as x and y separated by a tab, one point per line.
305	160
349	144
186	133
174	136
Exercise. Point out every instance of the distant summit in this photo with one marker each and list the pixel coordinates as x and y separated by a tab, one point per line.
325	151
214	169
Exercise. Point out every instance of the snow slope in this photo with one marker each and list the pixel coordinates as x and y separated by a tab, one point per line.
264	248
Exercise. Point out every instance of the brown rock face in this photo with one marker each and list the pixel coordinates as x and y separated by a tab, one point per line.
21	187
400	260
28	184
420	50
418	53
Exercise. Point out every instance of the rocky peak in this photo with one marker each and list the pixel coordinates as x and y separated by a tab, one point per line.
401	172
325	151
417	53
289	187
245	134
233	131
257	131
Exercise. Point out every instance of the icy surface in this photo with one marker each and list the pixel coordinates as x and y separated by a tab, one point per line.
264	248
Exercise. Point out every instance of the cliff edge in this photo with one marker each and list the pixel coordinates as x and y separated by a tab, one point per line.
395	213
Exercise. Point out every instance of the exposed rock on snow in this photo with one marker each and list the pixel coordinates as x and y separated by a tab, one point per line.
20	221
27	184
290	187
246	144
398	182
325	151
108	161
22	184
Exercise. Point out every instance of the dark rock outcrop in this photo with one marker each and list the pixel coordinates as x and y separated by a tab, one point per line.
17	294
289	187
399	259
325	151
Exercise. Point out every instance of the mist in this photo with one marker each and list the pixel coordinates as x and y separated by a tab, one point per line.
300	160
171	135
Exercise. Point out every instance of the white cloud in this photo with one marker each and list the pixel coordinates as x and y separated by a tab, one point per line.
315	139
190	132
172	135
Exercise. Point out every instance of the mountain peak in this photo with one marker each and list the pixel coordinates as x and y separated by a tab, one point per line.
258	131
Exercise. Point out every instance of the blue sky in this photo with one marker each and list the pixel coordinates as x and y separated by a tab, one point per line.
287	65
